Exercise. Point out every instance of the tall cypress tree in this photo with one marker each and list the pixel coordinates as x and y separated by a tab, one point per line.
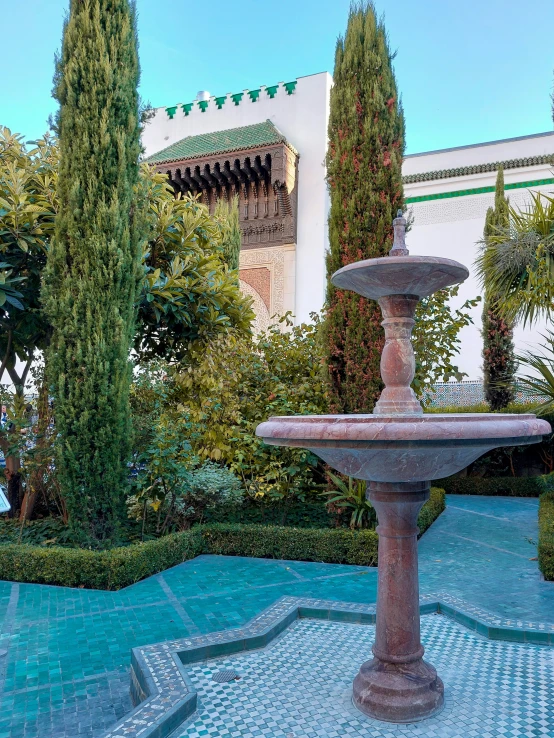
499	364
364	161
93	265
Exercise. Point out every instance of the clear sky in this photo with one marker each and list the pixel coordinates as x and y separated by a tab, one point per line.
468	70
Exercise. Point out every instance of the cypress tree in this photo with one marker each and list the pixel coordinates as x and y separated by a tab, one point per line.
228	213
499	364
93	264
364	161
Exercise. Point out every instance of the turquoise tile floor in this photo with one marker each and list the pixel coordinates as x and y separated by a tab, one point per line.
66	670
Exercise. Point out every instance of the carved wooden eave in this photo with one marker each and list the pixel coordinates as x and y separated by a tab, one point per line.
265	178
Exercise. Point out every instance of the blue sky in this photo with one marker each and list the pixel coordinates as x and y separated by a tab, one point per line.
469	71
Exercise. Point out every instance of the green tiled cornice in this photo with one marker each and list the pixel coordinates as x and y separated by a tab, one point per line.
221	142
478	191
478	169
237	98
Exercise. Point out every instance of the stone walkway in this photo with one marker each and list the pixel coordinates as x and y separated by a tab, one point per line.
66	672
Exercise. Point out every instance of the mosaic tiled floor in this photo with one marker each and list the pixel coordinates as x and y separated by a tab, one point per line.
301	687
67	668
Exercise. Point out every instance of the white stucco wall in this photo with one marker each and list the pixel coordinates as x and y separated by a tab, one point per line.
453	227
302	117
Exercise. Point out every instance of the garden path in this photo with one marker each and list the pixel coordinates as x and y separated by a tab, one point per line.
66	672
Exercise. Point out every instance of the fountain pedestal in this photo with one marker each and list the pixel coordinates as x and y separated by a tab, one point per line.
398	449
397	685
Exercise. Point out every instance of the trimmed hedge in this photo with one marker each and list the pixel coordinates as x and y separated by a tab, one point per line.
120	567
113	569
299	514
546	535
506	486
338	546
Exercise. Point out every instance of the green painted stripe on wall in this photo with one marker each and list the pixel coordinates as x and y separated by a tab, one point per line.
478	191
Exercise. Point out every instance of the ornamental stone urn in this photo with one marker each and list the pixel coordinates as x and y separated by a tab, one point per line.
398	450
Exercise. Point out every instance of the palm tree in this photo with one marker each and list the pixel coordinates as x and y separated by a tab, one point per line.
516	263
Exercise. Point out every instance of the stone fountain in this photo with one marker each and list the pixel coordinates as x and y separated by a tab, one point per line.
399	450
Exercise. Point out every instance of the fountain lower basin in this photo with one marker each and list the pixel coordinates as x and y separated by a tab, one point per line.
402	448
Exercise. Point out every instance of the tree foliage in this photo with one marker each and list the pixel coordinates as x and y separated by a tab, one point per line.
516	262
28	205
188	293
228	213
499	363
364	161
239	382
436	338
93	262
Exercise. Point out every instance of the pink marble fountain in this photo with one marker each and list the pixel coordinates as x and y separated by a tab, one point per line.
399	450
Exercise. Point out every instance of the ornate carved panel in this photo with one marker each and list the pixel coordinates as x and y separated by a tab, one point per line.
264	178
274	261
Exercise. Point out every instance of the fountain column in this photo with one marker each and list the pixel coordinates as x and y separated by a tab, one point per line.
397	685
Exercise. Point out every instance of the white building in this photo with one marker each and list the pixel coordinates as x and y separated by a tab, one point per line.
449	192
269	145
282	261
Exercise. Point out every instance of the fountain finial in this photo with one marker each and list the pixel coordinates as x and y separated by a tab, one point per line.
399	245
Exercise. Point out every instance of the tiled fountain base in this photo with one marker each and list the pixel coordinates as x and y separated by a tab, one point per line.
300	687
498	673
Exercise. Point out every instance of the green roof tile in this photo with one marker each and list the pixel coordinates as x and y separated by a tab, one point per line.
220	142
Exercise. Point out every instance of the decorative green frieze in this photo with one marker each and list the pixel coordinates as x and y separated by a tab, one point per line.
478	191
254	96
478	168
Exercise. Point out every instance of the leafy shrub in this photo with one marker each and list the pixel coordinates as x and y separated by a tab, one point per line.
228	390
546	535
172	489
351	497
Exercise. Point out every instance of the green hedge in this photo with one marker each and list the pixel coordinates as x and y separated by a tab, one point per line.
506	486
298	514
338	546
121	567
546	535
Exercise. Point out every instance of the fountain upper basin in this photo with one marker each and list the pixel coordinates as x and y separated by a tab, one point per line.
402	448
400	275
